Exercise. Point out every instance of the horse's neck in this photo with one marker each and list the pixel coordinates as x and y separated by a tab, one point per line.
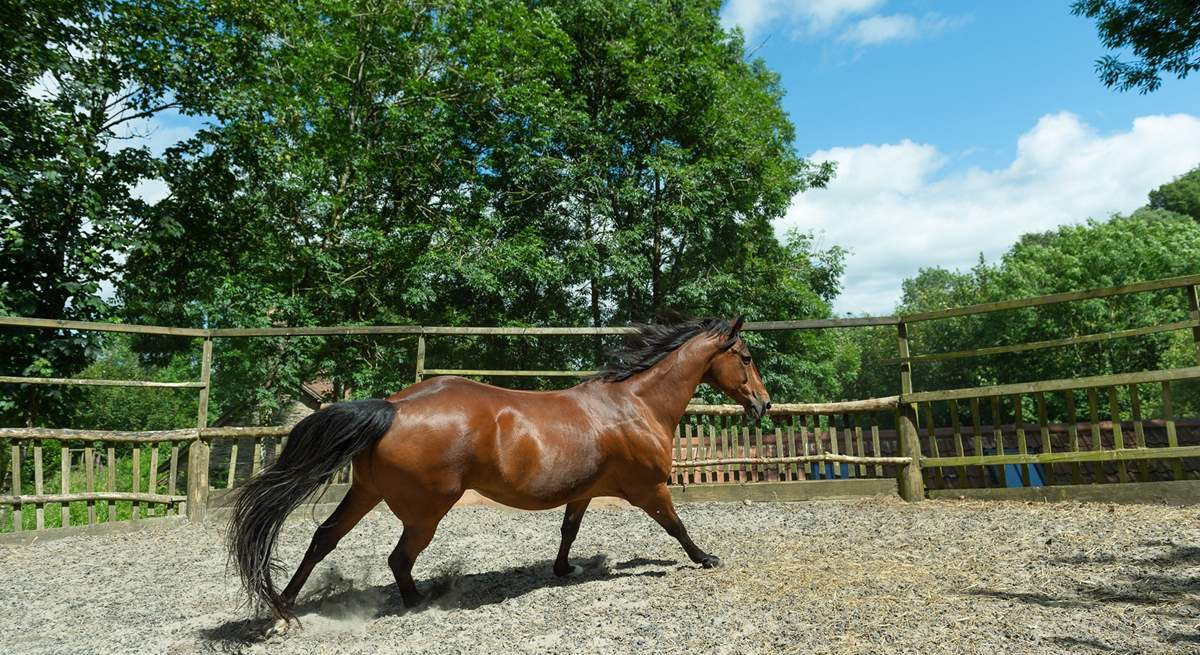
669	385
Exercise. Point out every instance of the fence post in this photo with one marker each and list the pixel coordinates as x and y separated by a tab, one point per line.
1193	296
420	358
197	489
910	481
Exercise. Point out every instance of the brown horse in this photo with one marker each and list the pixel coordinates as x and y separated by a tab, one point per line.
420	449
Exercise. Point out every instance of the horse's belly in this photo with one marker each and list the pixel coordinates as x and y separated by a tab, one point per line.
536	488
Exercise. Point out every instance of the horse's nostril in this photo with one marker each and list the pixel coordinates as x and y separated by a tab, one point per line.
768	404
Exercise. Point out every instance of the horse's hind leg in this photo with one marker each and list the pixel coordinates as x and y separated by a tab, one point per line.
355	505
419	528
657	503
570	528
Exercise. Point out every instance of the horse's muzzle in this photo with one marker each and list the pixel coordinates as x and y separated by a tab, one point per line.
756	409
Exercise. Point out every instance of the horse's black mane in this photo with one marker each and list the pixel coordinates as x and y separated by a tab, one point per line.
653	342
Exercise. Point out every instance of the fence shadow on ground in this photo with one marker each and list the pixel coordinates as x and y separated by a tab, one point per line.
341	600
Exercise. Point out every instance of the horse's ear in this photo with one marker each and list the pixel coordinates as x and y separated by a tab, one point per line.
733	333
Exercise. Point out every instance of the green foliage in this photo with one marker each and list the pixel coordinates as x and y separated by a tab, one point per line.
1149	244
75	79
1181	196
124	408
480	163
1161	34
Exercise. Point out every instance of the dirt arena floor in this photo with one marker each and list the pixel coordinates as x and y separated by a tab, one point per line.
870	575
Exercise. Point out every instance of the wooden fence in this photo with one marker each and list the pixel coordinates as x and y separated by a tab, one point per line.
941	432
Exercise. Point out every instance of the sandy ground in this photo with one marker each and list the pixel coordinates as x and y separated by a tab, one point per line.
861	576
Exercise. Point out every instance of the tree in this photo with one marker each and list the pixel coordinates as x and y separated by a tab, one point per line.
1181	196
77	79
1163	35
485	163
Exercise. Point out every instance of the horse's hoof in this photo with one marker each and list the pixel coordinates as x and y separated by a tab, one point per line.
710	562
280	627
411	598
571	570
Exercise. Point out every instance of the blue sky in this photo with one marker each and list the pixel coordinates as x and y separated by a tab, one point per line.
965	124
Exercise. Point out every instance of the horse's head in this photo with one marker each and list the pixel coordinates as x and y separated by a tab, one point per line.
734	372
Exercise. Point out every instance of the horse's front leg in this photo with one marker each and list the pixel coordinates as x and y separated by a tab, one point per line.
570	528
657	503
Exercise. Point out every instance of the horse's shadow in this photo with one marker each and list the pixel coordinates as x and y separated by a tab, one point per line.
337	598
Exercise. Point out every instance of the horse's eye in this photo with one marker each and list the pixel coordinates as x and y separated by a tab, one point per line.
746	359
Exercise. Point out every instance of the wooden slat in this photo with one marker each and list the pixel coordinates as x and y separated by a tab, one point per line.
136	482
977	441
1117	433
956	426
726	422
16	486
95	435
998	437
689	456
233	451
1096	456
1172	436
984	308
89	472
259	431
1055	385
82	382
1022	444
758	451
712	451
934	451
506	373
859	450
257	458
887	403
819	440
1044	431
826	458
679	473
39	510
98	495
64	484
805	421
875	449
1073	434
338	330
112	480
820	323
1097	443
1139	432
1050	343
173	478
21	321
152	478
833	445
789	435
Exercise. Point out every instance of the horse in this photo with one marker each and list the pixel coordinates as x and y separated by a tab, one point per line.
419	449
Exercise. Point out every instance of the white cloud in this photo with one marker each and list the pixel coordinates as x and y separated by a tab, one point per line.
881	29
897	214
854	21
811	16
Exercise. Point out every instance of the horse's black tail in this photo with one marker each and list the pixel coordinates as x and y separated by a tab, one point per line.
316	448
